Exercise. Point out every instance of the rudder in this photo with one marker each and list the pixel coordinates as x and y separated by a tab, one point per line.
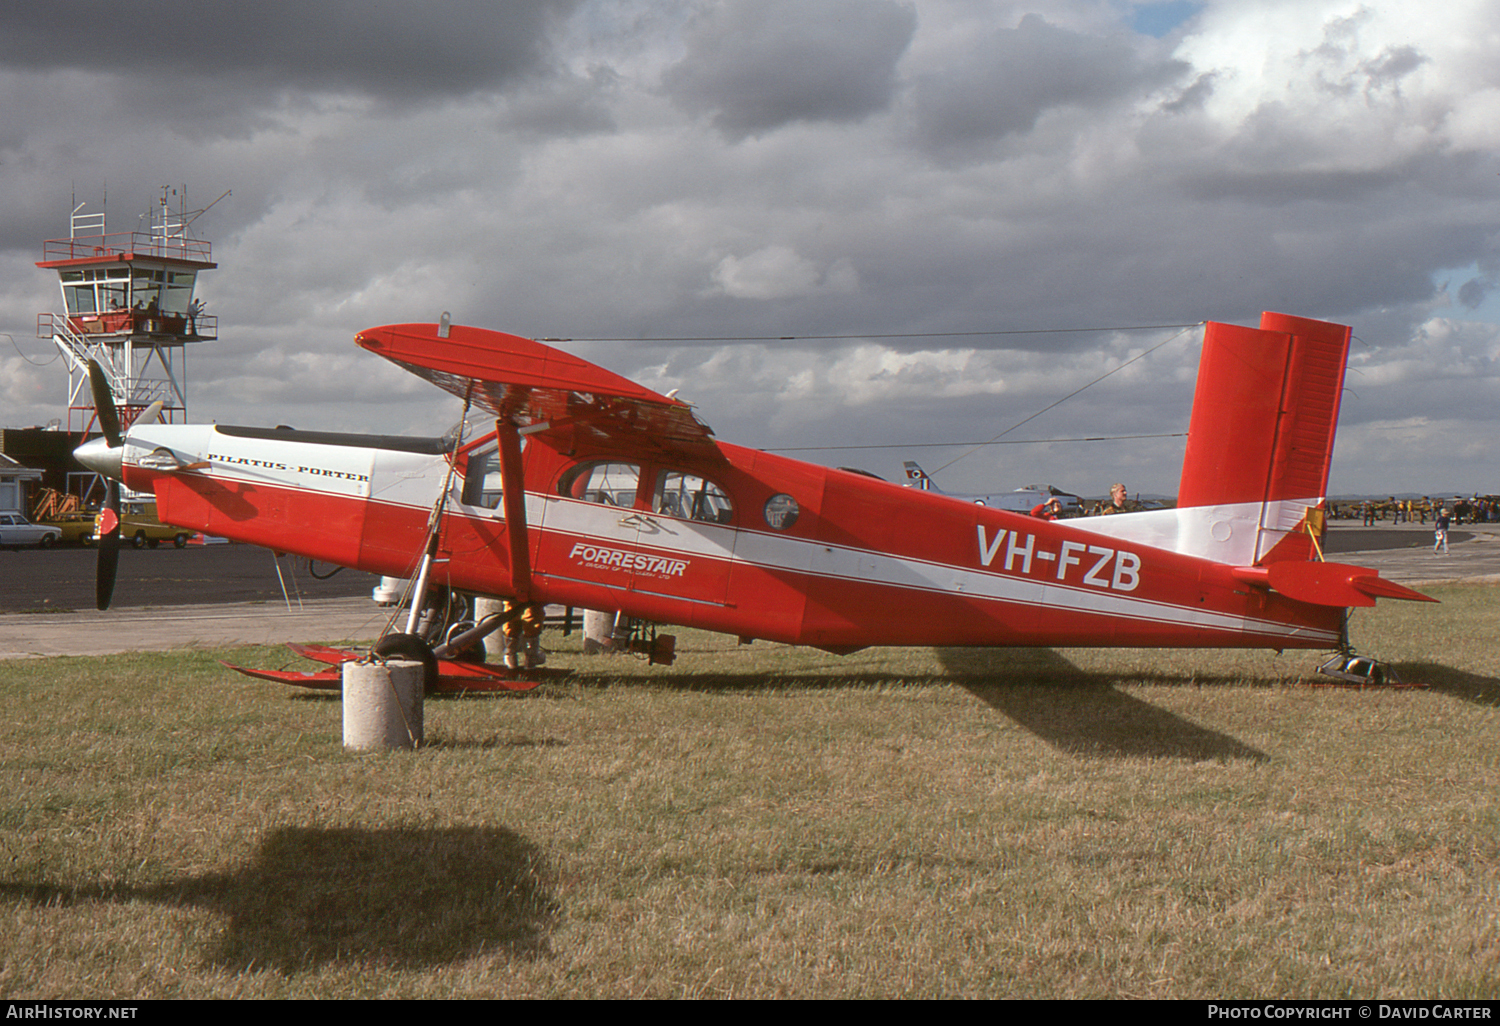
1264	416
1264	412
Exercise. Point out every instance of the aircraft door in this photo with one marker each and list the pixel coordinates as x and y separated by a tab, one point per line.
691	532
590	531
663	534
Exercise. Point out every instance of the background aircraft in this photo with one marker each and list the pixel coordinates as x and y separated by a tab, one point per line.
1022	500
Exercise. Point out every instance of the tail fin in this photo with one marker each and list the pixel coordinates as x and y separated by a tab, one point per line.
1261	434
916	477
1255	475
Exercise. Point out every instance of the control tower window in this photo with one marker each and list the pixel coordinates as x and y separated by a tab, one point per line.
145	290
179	292
80	299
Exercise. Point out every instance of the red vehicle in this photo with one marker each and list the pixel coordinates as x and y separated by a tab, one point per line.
594	492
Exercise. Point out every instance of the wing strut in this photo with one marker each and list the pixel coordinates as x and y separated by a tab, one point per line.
513	496
434	528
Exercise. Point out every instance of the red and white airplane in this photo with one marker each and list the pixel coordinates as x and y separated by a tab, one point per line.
592	491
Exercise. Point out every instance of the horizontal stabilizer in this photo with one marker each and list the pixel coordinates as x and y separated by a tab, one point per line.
1374	584
1335	584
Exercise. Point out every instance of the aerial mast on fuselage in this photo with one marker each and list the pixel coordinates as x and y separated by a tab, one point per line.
130	306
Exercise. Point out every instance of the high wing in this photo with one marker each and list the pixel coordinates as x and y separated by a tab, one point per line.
539	388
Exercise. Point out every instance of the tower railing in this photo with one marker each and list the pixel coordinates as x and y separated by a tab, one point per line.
150	244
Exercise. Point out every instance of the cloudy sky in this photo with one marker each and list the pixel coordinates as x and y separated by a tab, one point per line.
961	210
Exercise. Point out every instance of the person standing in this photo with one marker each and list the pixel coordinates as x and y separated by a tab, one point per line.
1048	510
1440	532
1118	503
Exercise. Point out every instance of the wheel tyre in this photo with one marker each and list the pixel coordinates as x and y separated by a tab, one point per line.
409	646
139	541
86	540
180	541
48	540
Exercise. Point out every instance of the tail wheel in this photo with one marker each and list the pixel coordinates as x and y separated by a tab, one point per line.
410	646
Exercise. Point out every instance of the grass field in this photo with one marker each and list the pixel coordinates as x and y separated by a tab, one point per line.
763	821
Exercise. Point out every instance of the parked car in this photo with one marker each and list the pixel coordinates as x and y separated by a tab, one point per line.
16	530
71	527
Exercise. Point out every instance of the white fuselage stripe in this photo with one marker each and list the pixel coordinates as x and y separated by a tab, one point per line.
577	520
1221	534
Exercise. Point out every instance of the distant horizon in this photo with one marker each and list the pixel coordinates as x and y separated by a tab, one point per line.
1154	497
1149	496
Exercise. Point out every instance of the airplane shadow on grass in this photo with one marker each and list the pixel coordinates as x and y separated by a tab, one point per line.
1074	710
406	898
1471	687
1083	713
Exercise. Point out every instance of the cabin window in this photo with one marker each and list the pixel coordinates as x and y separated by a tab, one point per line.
482	478
781	511
680	494
606	481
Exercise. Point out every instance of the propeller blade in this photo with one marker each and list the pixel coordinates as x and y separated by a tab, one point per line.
151	414
104	405
109	548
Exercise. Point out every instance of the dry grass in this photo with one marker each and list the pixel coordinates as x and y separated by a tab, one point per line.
766	821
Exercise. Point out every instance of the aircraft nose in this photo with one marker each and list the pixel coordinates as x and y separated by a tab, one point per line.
99	456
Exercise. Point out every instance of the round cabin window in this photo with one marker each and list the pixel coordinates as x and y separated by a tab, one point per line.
781	511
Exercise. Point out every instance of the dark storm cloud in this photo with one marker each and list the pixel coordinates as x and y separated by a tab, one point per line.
759	65
388	48
1013	76
583	169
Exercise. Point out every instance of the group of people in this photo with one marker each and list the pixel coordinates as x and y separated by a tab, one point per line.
1475	510
1118	503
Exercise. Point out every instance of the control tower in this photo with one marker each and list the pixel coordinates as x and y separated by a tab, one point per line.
130	306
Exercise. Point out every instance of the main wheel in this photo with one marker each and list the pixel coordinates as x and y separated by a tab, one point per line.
409	646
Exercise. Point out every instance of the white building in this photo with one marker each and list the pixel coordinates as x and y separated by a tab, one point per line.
13	476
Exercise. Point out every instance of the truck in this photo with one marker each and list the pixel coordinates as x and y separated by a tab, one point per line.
139	526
